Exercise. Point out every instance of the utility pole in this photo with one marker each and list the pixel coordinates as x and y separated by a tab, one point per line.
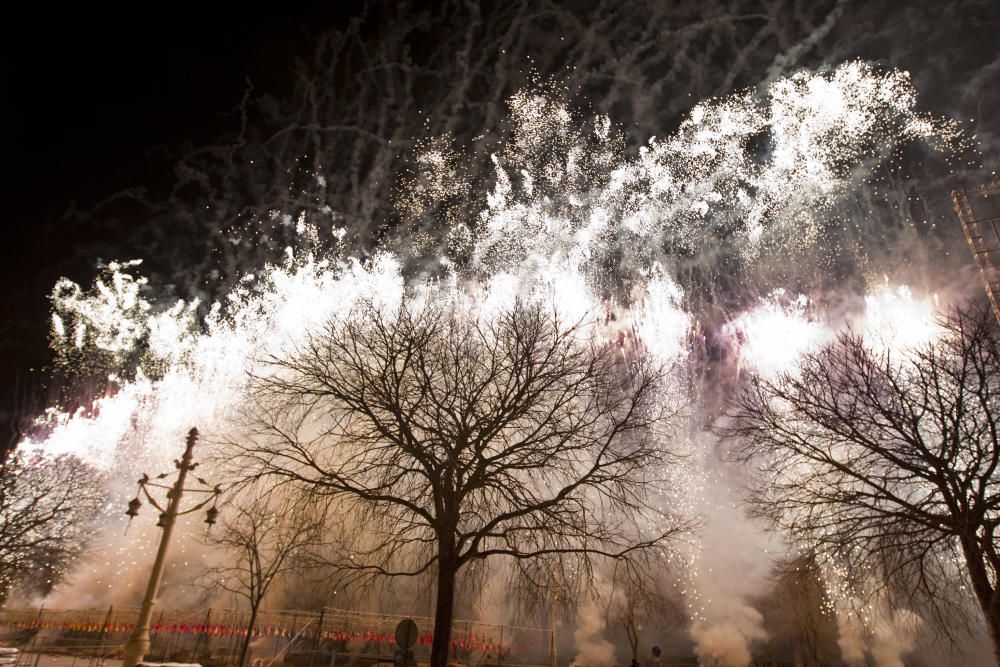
138	642
552	629
553	596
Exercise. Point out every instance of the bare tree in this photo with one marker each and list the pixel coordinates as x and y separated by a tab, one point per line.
452	437
637	599
798	607
887	461
263	533
45	511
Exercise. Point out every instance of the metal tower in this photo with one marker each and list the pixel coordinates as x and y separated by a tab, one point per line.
979	210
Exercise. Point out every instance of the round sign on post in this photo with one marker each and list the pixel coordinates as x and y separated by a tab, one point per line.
406	633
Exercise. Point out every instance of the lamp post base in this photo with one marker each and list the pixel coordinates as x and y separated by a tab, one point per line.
136	648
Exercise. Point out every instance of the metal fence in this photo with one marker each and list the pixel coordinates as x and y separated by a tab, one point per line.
213	637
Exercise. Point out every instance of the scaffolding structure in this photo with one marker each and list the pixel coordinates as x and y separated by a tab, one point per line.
979	211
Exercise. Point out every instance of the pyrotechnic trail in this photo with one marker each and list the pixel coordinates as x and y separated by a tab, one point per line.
702	250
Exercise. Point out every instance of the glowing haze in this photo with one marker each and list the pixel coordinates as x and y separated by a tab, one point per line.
571	218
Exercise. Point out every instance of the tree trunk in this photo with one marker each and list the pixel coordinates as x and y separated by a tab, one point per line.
444	612
986	594
797	654
633	637
249	637
992	615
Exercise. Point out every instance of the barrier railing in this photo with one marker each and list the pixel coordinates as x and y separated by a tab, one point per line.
213	637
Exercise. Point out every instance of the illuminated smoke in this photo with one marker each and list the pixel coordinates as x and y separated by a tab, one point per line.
895	319
851	640
895	637
725	625
771	337
592	649
572	219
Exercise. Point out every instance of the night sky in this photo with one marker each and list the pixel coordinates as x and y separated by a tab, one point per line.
94	104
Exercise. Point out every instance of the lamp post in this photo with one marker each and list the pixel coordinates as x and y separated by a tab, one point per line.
553	662
138	642
554	589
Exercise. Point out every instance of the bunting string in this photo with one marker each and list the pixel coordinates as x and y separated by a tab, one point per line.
471	642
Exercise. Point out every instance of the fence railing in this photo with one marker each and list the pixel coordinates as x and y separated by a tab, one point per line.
213	637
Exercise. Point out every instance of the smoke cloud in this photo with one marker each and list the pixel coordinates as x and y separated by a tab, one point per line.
592	648
739	198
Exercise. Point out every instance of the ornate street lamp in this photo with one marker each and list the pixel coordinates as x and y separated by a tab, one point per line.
138	643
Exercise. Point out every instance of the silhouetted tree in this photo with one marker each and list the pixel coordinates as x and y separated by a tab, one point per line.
638	600
798	611
451	437
262	532
46	507
886	460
